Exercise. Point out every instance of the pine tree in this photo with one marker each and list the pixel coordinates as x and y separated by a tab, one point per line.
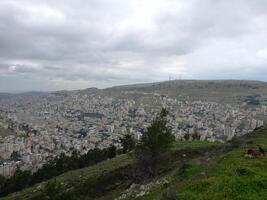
154	142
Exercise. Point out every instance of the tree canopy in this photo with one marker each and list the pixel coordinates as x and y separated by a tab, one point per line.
155	141
128	143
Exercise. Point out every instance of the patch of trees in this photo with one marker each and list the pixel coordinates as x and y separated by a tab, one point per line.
253	100
15	156
128	143
61	164
194	136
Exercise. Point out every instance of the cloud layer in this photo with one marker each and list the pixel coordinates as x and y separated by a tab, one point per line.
52	45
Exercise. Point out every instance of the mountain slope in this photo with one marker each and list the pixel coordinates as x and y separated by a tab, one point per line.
227	91
224	91
226	177
196	170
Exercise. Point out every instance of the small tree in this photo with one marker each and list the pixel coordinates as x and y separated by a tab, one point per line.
195	135
128	143
111	151
2	184
187	136
155	141
15	156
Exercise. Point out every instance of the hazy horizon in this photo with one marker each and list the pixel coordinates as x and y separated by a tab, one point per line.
118	85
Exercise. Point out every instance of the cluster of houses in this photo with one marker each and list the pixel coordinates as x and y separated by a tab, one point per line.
45	126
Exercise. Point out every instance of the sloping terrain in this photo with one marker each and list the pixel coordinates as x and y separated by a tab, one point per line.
226	91
223	91
195	170
226	176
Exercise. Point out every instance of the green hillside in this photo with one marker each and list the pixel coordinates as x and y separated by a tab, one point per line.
230	176
194	170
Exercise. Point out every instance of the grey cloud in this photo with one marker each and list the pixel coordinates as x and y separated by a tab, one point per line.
112	43
23	69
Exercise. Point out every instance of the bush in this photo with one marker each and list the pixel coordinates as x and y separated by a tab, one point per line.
128	143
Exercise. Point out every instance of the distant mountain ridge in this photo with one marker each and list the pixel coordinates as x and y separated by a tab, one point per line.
213	90
152	84
236	82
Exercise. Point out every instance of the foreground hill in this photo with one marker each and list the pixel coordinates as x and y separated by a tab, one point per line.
195	170
229	176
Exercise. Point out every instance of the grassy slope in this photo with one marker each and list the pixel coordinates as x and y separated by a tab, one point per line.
93	172
233	177
229	177
193	144
76	176
205	176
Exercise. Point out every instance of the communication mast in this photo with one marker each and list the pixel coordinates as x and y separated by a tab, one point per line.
170	78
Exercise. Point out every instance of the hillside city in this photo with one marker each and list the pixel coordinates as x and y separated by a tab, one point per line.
47	125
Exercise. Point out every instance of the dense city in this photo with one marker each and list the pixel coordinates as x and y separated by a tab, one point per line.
47	125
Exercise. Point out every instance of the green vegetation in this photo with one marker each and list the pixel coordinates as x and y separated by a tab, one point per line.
168	193
153	144
75	177
194	144
192	170
233	178
128	143
228	176
61	164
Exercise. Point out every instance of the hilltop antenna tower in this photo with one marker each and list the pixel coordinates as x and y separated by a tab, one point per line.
170	78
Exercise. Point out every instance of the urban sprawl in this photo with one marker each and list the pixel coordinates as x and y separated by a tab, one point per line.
47	125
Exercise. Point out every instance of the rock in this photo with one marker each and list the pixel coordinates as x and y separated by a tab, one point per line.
142	193
203	173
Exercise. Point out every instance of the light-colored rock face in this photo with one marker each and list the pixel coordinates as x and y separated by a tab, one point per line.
136	190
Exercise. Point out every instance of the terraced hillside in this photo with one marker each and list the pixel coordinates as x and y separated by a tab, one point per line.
194	170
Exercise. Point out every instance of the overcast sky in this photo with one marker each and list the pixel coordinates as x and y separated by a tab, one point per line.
54	45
